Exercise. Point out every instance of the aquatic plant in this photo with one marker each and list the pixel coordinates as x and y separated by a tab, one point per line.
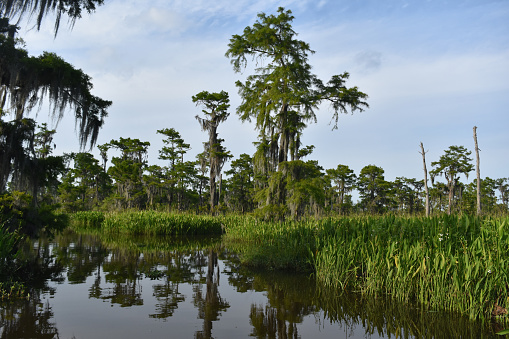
451	263
443	263
272	245
147	223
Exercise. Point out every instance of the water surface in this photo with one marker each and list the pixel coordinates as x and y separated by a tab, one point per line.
113	287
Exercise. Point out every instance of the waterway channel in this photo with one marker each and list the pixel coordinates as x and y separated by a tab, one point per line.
113	287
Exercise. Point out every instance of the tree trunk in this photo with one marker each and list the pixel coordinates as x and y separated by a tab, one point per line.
451	195
212	188
425	179
213	156
478	170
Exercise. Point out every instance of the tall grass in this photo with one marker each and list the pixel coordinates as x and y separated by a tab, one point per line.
272	245
448	263
146	223
10	284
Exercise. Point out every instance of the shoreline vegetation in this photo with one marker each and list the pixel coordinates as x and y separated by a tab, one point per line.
442	263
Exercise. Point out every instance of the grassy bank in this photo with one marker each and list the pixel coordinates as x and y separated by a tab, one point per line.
444	263
146	223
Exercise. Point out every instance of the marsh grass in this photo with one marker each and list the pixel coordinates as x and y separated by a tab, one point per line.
146	223
269	245
11	286
12	290
448	263
444	263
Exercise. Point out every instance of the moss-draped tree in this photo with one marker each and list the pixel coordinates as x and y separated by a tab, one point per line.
216	111
283	94
25	82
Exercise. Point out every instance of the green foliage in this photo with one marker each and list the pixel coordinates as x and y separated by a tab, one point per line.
9	242
344	180
284	93
240	184
14	210
28	80
271	245
405	193
12	290
282	96
18	214
304	184
147	223
488	197
84	186
373	188
127	171
454	162
10	264
446	263
175	178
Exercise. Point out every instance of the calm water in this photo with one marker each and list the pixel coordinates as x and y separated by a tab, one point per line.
195	288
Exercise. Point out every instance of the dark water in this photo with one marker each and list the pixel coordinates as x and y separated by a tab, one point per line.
195	288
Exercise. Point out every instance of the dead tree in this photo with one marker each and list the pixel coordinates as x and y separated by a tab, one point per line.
425	179
478	171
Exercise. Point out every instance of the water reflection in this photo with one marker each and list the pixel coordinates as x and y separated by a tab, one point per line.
196	287
210	307
27	319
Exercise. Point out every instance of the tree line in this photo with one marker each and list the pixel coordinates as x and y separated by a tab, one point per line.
123	179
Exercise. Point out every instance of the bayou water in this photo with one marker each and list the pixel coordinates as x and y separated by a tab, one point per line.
114	287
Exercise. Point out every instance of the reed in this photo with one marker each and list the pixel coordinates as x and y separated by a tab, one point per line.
443	263
146	223
271	245
11	285
12	290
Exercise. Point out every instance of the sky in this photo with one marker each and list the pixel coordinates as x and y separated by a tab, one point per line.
432	70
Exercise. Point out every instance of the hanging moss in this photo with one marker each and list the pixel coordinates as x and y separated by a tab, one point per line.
26	81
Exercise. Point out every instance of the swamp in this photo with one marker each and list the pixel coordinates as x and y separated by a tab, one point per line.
244	230
115	284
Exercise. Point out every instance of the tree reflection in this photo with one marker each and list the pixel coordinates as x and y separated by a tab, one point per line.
117	271
269	324
289	302
210	307
169	297
27	319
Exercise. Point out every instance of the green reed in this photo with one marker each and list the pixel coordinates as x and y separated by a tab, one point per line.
443	263
449	263
270	245
147	223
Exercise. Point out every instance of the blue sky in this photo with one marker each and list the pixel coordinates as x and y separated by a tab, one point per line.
432	70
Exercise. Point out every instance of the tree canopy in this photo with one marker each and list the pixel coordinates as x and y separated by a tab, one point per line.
283	95
451	165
